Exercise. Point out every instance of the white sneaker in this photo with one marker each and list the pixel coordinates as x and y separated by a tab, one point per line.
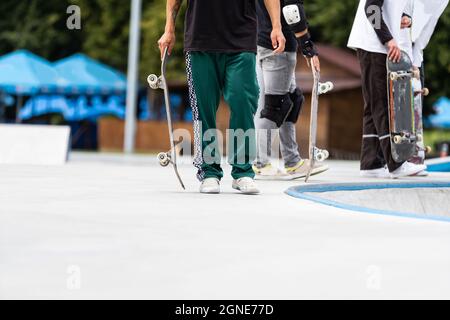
210	186
408	169
423	173
382	173
246	185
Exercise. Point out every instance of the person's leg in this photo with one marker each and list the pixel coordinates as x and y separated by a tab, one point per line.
371	155
263	126
241	92
379	106
278	74
288	133
204	81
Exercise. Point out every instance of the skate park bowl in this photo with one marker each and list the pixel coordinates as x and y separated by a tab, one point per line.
439	165
430	200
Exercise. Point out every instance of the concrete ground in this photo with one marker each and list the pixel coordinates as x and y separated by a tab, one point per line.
107	226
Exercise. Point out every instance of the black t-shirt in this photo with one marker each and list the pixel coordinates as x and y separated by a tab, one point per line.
221	26
265	29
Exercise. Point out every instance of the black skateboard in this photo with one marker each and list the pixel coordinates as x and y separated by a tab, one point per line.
402	127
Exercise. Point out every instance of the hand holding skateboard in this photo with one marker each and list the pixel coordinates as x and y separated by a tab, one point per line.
394	52
166	42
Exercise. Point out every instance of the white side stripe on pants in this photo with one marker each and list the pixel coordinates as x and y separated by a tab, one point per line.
366	136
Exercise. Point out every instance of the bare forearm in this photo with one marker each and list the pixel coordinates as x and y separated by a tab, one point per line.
172	9
273	7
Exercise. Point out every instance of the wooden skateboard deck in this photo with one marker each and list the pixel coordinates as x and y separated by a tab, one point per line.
316	154
155	82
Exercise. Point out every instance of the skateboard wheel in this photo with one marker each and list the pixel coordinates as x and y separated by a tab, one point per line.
153	81
426	92
394	76
330	86
398	139
163	159
326	87
320	156
428	150
326	154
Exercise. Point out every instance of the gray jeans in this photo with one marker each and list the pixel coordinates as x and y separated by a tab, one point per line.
276	75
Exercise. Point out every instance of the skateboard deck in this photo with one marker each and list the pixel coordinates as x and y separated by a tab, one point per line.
421	148
283	176
316	154
402	127
279	177
155	82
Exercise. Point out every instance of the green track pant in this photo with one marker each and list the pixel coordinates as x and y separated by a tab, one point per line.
233	75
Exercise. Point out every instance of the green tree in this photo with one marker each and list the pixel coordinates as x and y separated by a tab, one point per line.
154	21
39	26
105	30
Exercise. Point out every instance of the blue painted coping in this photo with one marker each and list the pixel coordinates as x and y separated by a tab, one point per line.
439	167
300	192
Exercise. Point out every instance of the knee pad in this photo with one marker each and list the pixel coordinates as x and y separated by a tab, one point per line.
298	100
295	16
277	108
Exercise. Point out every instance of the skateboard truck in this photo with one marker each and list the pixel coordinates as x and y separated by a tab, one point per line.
321	155
405	138
424	92
155	82
165	158
325	87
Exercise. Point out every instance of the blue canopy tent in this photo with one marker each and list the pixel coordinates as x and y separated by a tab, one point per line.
22	73
88	76
92	89
442	117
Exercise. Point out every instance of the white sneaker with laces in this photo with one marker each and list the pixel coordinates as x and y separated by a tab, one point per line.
408	169
210	186
382	173
246	185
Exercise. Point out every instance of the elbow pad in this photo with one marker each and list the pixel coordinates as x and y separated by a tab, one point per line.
295	16
307	46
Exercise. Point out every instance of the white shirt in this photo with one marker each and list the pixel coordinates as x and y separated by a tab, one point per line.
363	35
426	14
